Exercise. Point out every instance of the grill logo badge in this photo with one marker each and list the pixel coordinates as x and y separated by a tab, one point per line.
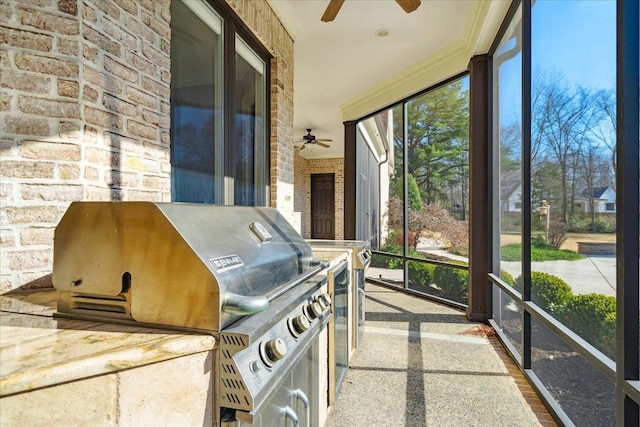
226	262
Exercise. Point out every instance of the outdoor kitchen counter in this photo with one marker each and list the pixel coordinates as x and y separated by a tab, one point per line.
50	357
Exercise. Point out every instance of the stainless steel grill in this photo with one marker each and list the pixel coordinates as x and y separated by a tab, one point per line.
242	274
360	260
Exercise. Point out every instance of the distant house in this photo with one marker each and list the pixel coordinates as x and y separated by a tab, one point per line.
511	192
604	200
512	198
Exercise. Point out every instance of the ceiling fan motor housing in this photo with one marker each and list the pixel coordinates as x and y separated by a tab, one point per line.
311	139
308	137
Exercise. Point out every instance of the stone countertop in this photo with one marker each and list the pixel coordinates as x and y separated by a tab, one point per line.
333	255
39	350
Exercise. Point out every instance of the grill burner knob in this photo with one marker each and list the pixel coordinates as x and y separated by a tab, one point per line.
298	325
274	350
314	310
321	302
326	298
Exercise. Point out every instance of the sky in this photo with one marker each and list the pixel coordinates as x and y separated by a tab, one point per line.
573	38
576	38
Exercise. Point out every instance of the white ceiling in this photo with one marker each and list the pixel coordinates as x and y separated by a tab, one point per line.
343	70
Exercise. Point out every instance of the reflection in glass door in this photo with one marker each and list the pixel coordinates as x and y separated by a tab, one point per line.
196	103
249	140
340	279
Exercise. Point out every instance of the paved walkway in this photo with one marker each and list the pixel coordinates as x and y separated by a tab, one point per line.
417	365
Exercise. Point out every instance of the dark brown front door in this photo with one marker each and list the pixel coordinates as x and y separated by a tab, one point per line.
322	206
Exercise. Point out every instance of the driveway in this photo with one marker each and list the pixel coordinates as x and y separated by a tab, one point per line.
590	274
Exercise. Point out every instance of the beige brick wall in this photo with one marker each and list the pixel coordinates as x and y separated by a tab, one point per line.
304	168
300	194
84	115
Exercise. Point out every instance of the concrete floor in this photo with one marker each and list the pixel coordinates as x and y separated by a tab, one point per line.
417	365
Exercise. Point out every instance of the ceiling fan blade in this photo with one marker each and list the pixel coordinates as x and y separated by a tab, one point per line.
323	140
332	10
302	147
408	5
321	144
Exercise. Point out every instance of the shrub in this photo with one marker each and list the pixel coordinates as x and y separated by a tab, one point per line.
429	218
415	254
378	260
395	237
507	278
452	282
421	273
608	335
414	198
606	224
593	317
550	292
539	242
603	223
577	225
557	233
383	261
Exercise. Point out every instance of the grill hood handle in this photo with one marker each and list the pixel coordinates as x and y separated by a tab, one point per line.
244	305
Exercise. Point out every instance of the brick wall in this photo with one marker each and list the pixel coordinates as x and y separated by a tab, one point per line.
304	168
300	193
85	115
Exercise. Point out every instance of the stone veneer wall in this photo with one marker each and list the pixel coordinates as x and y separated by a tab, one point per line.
300	193
85	115
304	169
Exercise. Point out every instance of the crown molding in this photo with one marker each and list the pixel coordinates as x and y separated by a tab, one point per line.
445	63
281	10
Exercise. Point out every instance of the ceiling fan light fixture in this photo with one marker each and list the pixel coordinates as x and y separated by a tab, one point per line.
382	32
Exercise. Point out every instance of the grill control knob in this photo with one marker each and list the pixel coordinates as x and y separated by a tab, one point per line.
326	298
298	325
314	310
321	302
273	351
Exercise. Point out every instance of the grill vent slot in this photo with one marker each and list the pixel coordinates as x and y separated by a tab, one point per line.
98	305
118	306
233	398
234	392
232	340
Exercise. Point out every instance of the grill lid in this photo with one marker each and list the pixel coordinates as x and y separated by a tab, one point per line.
180	264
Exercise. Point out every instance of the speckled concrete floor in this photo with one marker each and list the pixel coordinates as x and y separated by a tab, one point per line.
414	368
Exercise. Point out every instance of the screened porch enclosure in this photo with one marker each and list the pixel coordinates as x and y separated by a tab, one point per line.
481	184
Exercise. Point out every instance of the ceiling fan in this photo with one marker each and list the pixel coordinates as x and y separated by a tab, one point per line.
311	139
334	7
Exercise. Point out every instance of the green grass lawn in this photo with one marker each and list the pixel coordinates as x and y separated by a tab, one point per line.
513	252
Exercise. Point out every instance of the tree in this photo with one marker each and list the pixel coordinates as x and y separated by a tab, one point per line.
413	193
437	140
428	218
546	182
591	164
561	121
510	162
605	104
